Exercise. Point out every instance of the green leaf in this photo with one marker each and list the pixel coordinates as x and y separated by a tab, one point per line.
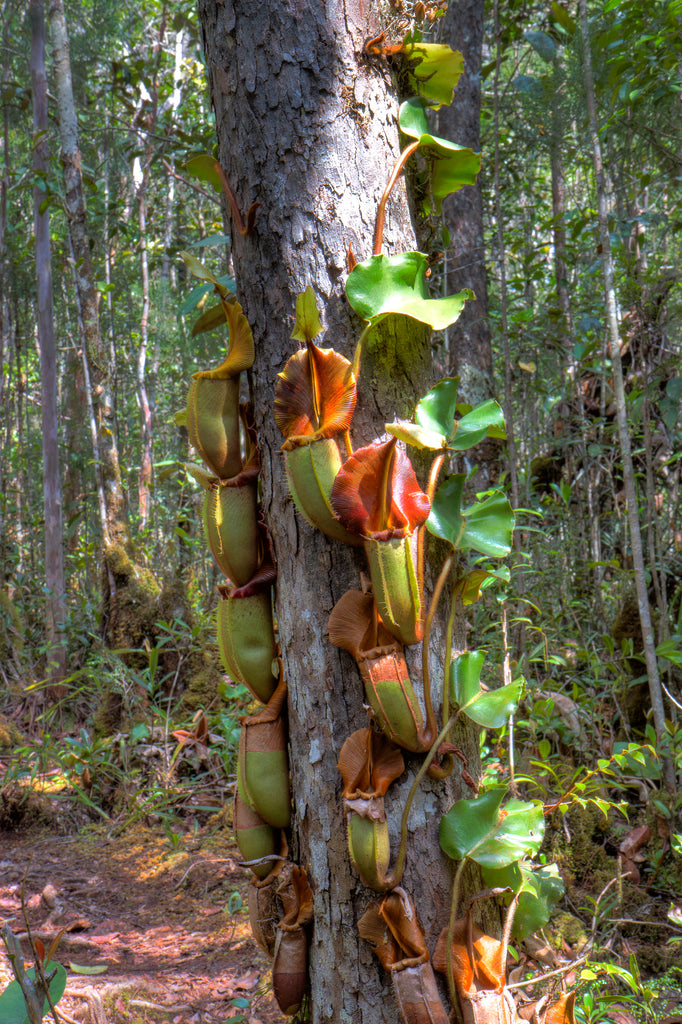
434	417
203	168
563	18
435	425
489	708
88	968
489	834
396	284
671	650
418	437
474	582
307	324
13	1009
486	419
211	240
539	892
529	86
485	526
437	72
637	759
453	166
193	299
436	410
197	268
543	44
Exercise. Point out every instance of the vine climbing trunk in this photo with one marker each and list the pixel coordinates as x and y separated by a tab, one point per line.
307	128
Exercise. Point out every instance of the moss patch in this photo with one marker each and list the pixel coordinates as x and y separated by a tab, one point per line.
10	736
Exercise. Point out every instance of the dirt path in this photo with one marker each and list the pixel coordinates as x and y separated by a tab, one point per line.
167	920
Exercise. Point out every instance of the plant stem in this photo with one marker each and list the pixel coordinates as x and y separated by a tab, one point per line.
434	472
395	875
431	487
361	340
426	675
230	196
450	974
381	211
448	654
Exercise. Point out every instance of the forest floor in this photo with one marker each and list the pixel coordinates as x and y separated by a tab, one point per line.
155	926
163	919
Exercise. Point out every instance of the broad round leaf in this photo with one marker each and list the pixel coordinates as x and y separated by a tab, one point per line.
436	410
477	424
412	119
543	45
488	708
445	520
485	526
436	69
13	1009
396	284
453	165
539	892
490	834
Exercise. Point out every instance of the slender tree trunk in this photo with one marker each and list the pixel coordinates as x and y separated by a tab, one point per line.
5	323
145	472
23	485
52	495
469	338
115	528
308	128
559	234
655	688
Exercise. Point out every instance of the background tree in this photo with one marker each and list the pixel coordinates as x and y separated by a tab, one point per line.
467	341
52	492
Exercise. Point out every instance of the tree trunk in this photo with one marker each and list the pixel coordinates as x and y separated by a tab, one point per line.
145	472
5	323
468	339
559	235
141	177
115	528
307	127
52	494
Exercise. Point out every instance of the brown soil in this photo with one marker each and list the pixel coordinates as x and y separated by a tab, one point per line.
167	919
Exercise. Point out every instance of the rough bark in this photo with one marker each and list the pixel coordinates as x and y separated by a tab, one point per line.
52	495
469	338
307	127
